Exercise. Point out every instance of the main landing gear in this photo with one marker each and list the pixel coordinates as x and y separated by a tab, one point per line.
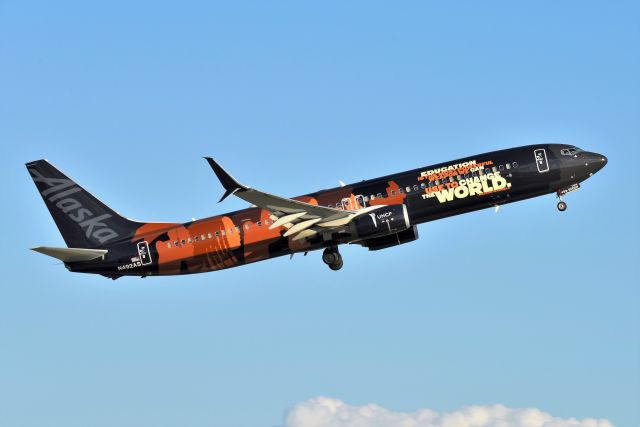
332	258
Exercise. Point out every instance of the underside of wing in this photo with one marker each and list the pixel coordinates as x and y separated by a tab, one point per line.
302	220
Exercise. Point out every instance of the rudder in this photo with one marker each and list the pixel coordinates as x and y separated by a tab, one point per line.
83	220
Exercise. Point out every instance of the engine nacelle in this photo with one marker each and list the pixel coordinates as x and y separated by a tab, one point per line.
396	239
382	221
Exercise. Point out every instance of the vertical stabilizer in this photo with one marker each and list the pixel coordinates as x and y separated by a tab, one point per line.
83	220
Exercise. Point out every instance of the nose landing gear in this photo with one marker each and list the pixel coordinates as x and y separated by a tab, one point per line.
332	258
562	206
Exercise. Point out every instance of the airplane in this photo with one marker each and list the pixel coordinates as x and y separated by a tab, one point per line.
377	214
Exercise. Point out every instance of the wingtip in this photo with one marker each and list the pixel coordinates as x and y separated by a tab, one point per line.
228	182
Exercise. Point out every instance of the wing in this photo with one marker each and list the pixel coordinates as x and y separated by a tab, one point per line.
302	220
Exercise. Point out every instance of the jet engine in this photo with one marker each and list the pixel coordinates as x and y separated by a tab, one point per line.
382	221
383	242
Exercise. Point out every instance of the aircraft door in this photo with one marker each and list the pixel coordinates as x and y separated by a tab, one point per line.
143	252
541	160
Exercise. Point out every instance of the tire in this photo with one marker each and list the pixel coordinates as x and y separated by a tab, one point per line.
330	257
562	206
336	266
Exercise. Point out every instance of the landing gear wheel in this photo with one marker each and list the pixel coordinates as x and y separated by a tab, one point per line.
336	266
332	258
562	206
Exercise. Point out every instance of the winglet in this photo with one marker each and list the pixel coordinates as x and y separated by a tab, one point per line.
228	182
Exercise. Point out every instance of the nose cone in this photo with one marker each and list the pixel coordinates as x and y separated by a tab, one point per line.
603	160
596	162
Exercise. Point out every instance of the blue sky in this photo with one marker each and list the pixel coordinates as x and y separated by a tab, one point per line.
524	308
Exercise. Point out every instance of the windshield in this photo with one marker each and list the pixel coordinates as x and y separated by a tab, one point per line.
570	151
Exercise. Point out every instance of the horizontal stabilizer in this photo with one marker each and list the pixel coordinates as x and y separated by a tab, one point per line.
71	254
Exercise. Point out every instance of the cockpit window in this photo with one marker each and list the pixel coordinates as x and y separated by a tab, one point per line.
570	151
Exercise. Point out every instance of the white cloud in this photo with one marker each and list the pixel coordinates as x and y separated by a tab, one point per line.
328	412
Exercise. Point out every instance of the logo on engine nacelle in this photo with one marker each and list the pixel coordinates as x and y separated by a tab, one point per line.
373	218
382	216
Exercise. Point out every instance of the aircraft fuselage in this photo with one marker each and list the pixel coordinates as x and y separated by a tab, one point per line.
429	193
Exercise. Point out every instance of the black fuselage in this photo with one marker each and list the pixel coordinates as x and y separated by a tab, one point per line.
429	193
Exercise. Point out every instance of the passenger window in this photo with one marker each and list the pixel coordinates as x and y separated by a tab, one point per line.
423	185
515	165
508	166
238	229
184	241
393	192
175	243
481	172
495	169
246	226
231	230
169	245
222	232
487	171
196	238
202	237
259	223
366	198
372	197
209	235
379	195
501	167
189	240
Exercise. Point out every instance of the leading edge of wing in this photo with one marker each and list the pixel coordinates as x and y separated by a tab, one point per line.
271	202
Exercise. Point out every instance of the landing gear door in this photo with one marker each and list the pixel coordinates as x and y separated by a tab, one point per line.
541	160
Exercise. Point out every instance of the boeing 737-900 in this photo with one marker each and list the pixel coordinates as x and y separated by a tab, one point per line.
377	213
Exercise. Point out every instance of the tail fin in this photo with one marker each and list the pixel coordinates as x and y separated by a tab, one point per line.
83	220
